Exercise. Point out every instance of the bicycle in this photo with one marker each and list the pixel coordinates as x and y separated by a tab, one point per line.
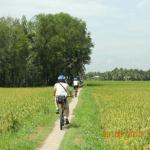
76	90
61	100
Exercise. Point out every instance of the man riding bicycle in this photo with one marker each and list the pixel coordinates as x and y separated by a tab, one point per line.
76	85
61	88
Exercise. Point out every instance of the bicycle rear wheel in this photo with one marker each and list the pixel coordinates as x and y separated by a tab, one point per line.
76	91
61	119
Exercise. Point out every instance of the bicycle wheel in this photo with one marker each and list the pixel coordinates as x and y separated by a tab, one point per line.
76	91
61	119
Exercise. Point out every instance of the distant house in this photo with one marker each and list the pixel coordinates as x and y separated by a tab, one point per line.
126	78
95	77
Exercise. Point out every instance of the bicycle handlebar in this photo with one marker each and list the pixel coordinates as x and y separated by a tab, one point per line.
67	96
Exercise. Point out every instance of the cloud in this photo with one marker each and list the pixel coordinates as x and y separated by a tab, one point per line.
143	4
77	8
140	27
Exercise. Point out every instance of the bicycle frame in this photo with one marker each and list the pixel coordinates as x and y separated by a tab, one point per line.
76	91
61	112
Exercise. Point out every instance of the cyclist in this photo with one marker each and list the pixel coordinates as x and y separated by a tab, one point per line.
76	84
61	88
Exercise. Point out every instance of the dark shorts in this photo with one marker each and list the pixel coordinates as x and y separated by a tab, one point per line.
76	87
61	99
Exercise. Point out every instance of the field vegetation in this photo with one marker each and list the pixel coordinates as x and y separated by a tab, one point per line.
111	115
26	117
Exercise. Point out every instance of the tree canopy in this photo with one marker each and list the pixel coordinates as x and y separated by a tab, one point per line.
120	74
35	52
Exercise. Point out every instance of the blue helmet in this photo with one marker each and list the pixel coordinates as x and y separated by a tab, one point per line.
61	78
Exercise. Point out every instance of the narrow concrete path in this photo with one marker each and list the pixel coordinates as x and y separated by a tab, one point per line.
55	138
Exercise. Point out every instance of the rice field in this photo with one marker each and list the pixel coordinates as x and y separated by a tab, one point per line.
111	115
26	117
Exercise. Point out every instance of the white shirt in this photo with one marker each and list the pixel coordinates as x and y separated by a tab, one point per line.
75	83
60	90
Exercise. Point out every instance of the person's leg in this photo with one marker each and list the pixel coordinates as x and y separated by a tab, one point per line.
66	112
76	91
56	105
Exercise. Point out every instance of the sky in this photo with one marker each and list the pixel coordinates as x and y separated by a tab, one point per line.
120	30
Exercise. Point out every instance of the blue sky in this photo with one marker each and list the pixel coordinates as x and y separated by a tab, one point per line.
120	29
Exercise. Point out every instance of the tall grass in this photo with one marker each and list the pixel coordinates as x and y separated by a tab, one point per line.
26	115
111	115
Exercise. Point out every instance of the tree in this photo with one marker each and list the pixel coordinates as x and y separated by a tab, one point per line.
121	74
35	52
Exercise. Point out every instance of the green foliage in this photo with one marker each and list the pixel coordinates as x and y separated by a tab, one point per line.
120	74
35	52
